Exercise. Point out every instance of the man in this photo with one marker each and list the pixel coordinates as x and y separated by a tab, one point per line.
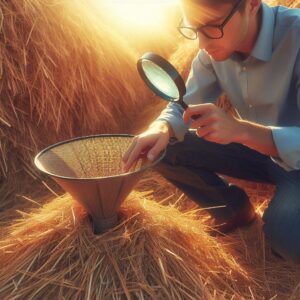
252	52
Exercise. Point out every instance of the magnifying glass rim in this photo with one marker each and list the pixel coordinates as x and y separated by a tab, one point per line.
168	68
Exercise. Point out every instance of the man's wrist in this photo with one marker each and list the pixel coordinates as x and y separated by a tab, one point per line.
163	124
242	136
257	137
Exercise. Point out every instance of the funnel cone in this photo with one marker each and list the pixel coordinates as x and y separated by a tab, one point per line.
90	169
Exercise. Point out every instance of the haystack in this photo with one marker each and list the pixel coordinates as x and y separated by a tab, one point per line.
65	74
156	252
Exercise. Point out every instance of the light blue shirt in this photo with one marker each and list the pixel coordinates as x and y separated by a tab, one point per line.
264	88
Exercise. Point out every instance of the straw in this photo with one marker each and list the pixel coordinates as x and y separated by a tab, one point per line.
156	252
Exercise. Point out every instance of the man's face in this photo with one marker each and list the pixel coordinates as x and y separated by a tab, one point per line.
235	30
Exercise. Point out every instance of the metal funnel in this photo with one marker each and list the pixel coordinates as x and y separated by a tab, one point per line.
89	168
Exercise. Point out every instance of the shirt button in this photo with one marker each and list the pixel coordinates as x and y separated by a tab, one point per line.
250	105
244	69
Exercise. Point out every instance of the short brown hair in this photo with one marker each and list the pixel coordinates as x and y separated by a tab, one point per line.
216	2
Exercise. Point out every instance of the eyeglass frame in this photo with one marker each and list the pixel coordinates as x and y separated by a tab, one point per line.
220	27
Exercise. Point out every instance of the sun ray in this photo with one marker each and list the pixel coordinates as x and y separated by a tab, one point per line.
138	13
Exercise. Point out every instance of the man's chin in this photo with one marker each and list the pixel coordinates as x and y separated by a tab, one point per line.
218	56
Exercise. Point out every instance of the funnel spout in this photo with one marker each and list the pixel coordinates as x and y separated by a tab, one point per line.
101	225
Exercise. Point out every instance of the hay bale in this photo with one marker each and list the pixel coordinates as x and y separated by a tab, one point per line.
65	74
156	252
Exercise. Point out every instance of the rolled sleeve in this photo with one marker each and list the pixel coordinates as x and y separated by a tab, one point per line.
202	86
287	141
173	115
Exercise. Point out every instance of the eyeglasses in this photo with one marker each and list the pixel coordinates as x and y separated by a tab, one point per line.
210	31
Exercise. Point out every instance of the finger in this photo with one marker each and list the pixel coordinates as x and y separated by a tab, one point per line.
128	151
204	120
145	151
127	155
133	166
198	109
156	149
204	130
134	155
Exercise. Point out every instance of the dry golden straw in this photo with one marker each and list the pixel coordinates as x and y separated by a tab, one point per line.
155	252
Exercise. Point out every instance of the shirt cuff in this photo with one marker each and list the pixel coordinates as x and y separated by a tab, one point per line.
287	141
178	126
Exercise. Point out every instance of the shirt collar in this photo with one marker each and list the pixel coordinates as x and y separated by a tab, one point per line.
264	44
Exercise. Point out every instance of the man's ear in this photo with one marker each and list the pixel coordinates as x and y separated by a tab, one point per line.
254	6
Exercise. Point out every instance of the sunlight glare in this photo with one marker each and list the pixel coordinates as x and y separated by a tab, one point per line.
141	13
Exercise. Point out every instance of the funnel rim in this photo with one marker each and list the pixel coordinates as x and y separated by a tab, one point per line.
94	178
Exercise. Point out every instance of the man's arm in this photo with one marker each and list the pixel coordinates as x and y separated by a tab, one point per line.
287	139
257	137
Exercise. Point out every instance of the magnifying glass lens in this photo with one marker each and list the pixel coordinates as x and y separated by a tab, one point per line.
160	79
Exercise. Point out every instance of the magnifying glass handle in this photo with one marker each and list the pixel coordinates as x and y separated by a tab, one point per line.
185	107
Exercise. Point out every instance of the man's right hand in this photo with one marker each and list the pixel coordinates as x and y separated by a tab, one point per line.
155	139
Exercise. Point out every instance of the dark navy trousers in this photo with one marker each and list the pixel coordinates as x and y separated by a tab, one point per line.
193	165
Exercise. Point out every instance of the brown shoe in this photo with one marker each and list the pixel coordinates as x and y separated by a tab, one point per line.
243	218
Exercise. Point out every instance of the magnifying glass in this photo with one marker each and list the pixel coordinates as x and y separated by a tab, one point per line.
163	79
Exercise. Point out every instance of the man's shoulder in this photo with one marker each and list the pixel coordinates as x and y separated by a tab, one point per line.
287	18
287	26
